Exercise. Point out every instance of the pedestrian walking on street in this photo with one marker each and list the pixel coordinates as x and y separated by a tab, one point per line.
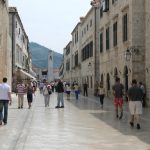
144	94
101	94
21	90
5	99
76	90
85	89
135	103
60	91
30	91
41	87
118	97
46	94
68	90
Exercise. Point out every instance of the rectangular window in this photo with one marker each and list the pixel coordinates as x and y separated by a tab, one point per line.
84	53
105	4
101	42
77	36
68	65
101	12
125	27
88	50
91	49
107	38
76	59
68	50
115	34
74	38
91	82
0	40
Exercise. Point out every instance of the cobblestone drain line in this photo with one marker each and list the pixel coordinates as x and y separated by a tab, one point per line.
22	137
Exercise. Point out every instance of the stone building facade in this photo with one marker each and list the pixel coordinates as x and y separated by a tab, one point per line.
20	48
79	53
76	54
147	49
120	39
120	34
5	44
88	49
67	63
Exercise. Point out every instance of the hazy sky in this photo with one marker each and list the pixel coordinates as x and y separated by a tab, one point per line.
50	22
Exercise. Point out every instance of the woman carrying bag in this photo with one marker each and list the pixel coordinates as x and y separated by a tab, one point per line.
101	94
46	94
30	91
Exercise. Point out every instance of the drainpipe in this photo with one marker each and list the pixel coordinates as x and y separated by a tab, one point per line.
96	71
12	42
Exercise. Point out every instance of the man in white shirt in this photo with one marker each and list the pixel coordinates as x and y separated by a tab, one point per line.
5	98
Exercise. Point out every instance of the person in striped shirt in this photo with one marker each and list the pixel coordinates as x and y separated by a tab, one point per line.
20	92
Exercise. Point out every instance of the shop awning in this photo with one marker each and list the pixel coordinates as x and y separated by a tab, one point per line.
26	75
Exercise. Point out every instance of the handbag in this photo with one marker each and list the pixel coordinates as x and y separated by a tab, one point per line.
49	92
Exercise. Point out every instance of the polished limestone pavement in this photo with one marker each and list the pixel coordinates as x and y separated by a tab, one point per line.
81	125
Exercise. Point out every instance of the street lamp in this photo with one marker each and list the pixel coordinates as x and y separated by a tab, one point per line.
130	51
127	55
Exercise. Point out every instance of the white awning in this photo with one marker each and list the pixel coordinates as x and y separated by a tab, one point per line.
26	75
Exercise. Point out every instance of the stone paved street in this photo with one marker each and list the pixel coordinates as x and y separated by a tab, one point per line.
81	125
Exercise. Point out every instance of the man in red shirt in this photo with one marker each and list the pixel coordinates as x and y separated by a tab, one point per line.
118	100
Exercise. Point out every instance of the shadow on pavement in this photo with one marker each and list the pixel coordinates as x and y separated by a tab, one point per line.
107	115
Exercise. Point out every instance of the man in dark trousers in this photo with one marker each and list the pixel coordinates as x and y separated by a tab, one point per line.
135	103
85	89
60	91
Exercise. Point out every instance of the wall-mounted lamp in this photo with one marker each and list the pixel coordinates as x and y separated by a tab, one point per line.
130	51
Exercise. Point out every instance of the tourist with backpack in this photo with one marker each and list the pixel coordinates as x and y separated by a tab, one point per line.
46	94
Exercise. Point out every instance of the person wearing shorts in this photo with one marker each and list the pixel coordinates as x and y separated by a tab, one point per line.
118	97
135	103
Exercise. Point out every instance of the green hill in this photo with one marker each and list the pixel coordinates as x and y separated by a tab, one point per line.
40	56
